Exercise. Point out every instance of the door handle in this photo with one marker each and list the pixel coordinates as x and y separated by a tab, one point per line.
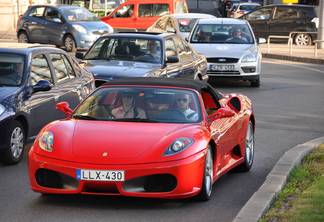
34	23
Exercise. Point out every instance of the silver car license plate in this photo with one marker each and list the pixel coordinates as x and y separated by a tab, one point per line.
222	67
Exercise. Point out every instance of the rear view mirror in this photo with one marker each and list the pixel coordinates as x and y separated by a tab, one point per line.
262	40
79	55
65	108
172	59
42	85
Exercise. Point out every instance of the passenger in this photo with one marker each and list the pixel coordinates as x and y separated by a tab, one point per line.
182	102
128	109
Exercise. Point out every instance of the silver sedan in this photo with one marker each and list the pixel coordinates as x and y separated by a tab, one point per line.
230	47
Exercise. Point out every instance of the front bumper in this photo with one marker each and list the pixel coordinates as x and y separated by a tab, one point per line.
188	174
85	41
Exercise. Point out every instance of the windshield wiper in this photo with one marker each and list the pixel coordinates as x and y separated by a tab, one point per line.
85	117
136	120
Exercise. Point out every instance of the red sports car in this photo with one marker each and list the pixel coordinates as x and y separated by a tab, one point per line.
145	137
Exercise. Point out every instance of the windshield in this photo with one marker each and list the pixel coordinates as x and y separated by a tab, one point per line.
11	69
129	49
141	104
78	15
100	4
186	24
222	34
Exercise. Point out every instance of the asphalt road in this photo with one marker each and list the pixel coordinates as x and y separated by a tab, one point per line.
289	109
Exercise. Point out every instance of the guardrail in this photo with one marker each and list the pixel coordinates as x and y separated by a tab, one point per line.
279	37
290	40
315	49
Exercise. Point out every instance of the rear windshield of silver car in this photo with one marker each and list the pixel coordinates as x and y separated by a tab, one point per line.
222	34
11	69
127	49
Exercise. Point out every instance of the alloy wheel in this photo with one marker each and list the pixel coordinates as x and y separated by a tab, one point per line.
303	39
17	142
209	173
249	145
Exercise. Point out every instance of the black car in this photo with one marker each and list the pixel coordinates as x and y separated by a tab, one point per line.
283	19
143	54
32	80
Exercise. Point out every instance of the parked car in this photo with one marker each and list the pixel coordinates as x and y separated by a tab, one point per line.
32	80
230	48
180	24
141	14
160	152
145	54
242	9
283	19
70	26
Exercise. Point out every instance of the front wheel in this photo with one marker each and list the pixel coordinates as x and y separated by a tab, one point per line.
207	184
23	37
255	83
14	144
69	44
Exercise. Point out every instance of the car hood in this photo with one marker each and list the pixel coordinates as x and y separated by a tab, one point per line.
5	92
91	26
225	50
109	142
112	69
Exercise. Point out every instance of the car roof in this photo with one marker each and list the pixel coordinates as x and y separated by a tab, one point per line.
248	3
56	6
26	48
292	5
153	35
192	15
222	21
153	81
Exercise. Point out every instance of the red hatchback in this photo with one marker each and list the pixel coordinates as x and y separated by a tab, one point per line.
145	137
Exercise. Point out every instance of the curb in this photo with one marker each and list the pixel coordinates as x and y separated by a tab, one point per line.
293	58
262	199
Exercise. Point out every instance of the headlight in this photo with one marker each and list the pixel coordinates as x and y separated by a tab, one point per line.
250	58
46	141
2	109
179	145
80	29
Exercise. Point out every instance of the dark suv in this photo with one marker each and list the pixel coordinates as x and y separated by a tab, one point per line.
283	19
32	81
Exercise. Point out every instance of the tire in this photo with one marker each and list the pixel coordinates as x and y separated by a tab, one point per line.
23	37
255	83
249	150
303	39
69	43
14	144
207	183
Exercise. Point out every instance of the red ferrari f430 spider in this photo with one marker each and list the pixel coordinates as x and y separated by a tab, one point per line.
145	137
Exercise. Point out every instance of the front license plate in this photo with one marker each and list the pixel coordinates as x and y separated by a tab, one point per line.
222	67
101	175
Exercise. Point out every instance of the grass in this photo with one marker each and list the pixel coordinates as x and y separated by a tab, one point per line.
302	199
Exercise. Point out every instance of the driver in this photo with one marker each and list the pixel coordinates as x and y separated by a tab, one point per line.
182	102
237	36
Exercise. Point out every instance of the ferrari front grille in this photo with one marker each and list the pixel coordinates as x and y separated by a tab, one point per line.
52	179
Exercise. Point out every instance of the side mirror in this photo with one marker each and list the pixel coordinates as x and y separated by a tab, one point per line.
65	108
57	20
172	59
42	85
221	113
170	30
262	40
80	55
